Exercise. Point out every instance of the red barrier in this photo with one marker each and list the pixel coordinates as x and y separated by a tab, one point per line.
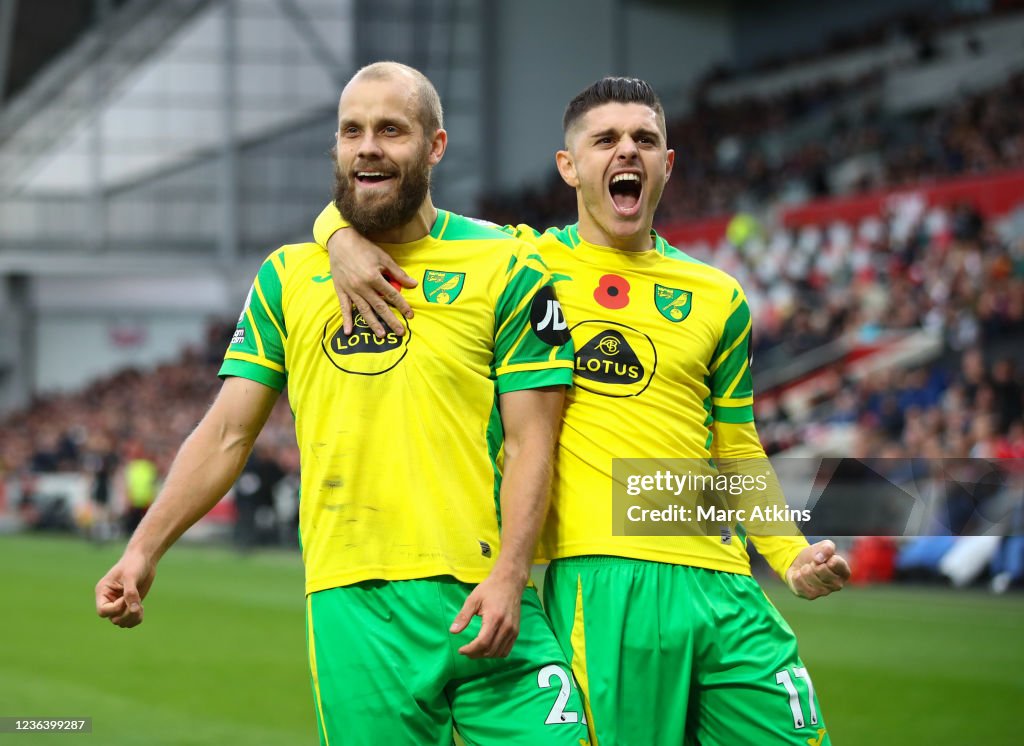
708	230
993	195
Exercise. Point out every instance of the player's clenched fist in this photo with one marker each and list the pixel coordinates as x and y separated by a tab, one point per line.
818	571
120	592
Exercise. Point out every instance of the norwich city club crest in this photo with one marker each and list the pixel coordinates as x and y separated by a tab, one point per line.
442	287
674	304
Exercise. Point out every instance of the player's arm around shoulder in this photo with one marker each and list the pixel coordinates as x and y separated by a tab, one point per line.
365	277
205	467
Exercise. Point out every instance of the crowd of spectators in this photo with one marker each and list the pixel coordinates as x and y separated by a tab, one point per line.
130	416
950	439
717	160
978	134
948	272
723	165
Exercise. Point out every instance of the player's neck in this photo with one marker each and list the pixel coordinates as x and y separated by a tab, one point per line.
592	232
414	230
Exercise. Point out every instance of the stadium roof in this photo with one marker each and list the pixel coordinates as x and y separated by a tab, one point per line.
33	33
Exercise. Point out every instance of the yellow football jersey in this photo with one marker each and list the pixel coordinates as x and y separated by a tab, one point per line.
661	372
662	368
399	438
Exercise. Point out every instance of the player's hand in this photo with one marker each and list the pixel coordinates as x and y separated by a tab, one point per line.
120	592
818	571
358	267
497	601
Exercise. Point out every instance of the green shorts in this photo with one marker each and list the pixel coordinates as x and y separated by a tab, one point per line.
386	670
669	654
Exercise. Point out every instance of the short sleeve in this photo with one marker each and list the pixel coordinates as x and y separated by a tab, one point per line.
256	351
532	345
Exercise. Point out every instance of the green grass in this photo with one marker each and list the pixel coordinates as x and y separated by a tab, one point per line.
899	665
221	656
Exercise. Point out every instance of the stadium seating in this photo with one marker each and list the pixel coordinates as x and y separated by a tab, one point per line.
881	249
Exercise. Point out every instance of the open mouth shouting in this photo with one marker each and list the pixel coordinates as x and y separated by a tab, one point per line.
625	189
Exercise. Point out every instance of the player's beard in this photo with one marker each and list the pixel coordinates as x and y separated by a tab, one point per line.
370	216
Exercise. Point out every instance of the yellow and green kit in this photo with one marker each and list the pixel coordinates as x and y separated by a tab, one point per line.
668	635
399	441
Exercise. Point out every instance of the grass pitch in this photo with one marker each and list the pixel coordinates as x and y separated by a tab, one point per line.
221	656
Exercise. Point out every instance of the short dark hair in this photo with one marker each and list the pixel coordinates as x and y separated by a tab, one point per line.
612	90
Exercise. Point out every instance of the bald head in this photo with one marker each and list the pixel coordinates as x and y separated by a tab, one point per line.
428	103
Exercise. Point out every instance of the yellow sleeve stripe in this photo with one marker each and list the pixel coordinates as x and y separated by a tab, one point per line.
527	299
255	332
233	355
746	401
736	380
542	365
523	262
270	315
515	345
739	339
510	270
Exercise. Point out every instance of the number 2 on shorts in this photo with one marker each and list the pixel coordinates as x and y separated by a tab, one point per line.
558	715
783	677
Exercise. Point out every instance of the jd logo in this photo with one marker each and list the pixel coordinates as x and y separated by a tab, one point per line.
442	287
672	303
362	352
546	318
613	359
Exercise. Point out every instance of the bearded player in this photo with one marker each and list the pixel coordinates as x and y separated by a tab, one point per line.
417	549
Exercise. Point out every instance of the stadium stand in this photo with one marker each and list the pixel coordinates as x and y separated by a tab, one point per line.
727	160
52	451
881	246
